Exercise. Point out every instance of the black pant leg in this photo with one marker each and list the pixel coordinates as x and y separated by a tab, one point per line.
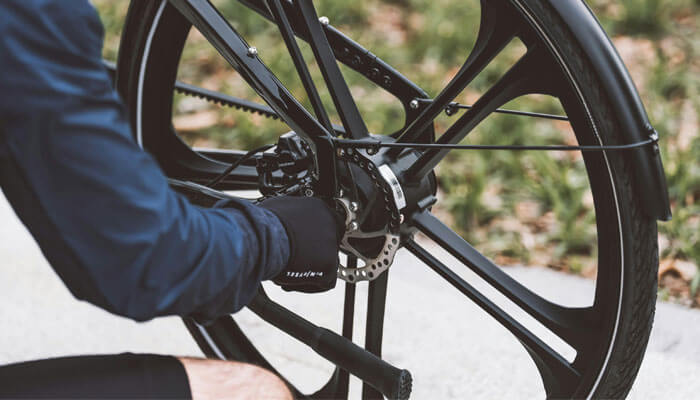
122	376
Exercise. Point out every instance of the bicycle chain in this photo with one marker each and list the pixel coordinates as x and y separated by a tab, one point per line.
225	100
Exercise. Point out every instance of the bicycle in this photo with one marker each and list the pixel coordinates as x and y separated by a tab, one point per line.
386	185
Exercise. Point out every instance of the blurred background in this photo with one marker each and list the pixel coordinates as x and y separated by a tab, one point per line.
521	208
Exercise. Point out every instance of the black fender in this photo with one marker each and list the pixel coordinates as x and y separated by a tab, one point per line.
650	179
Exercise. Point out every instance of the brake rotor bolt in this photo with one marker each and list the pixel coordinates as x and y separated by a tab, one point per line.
414	104
324	20
252	51
354	206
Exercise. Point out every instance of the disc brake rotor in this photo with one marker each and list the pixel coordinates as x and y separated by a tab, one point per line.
376	261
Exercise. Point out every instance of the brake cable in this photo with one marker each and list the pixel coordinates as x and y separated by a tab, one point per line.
237	163
372	146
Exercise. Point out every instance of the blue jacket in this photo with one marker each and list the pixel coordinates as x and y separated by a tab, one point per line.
99	207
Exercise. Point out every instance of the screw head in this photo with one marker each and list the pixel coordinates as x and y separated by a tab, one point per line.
414	104
308	192
252	51
354	206
353	226
341	152
324	20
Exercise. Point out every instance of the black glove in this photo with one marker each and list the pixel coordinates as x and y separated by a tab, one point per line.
314	231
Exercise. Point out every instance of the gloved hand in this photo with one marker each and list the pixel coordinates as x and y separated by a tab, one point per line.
314	231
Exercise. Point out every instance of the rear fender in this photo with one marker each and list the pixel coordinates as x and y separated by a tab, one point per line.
650	179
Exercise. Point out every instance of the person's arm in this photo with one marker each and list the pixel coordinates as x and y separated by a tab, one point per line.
99	207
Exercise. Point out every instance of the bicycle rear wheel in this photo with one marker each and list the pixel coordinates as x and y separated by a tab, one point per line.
608	336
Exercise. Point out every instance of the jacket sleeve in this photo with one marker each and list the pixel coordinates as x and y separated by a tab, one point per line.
99	207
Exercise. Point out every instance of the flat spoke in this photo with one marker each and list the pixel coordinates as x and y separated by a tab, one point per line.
497	29
571	324
557	374
290	40
214	27
374	331
525	77
342	98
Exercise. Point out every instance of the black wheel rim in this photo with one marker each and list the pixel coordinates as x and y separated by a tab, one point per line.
590	331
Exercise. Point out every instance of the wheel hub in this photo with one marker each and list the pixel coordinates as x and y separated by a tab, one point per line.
374	202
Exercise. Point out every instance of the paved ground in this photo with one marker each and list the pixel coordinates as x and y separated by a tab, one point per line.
452	348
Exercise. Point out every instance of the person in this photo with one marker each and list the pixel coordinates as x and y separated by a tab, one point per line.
116	234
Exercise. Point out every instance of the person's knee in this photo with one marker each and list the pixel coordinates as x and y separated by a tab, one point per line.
214	379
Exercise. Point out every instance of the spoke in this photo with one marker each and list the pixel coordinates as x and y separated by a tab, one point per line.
571	324
525	77
350	53
214	27
342	98
557	374
497	29
348	319
210	23
376	305
297	57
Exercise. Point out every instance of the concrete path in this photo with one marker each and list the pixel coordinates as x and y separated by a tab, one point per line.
453	349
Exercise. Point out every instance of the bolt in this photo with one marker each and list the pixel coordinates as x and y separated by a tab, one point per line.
386	80
353	226
252	51
354	206
374	73
414	104
372	150
324	20
308	192
341	152
341	193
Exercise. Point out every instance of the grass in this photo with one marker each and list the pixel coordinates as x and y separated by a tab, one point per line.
518	207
